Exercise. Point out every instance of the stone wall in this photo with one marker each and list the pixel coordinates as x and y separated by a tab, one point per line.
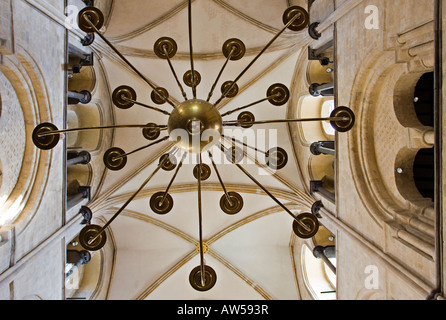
32	206
382	234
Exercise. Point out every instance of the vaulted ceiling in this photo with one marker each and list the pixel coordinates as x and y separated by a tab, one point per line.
251	252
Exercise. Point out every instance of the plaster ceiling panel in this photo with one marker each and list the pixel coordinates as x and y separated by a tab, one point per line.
130	15
117	76
261	68
281	73
130	139
260	249
229	286
158	71
230	175
132	182
160	74
184	214
142	257
265	12
134	164
265	111
211	26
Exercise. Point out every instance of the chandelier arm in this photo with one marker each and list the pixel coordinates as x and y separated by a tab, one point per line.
200	222
174	73
129	63
194	85
245	144
238	123
220	74
145	105
55	132
303	225
173	178
220	179
101	231
249	105
256	58
142	148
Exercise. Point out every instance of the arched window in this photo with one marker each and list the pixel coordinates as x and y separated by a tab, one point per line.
319	278
84	115
327	108
316	107
82	274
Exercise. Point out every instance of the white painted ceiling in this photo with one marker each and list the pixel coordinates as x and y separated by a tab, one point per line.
155	254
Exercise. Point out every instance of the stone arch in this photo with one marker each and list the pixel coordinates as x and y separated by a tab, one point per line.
382	144
403	100
316	277
311	107
93	279
23	76
88	115
368	95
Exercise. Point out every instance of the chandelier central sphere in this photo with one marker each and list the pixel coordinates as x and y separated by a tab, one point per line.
196	125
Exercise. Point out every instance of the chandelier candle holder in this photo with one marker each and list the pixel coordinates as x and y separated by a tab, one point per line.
190	121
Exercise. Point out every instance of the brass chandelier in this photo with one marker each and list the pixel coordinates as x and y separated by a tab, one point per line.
196	127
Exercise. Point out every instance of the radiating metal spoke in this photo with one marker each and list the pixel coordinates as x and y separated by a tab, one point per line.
145	105
55	132
101	231
194	83
249	105
238	123
129	63
220	179
220	74
245	144
303	225
140	149
174	73
256	58
200	222
173	178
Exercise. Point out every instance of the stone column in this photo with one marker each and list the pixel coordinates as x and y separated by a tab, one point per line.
87	214
77	258
317	187
316	208
85	59
323	147
74	158
325	253
83	193
75	97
